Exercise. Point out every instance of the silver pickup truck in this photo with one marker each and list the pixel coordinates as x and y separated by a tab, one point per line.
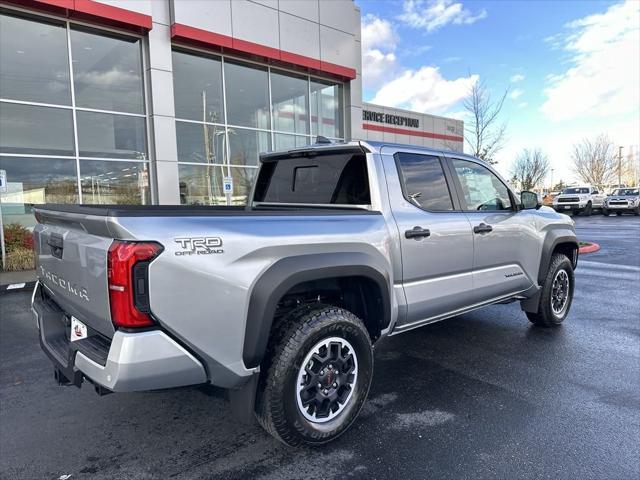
282	301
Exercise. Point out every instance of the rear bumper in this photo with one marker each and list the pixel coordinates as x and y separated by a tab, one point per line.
132	362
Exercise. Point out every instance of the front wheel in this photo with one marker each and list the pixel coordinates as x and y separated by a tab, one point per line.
316	377
587	210
556	295
605	212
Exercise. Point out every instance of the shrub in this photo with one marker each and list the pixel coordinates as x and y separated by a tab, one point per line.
17	236
19	259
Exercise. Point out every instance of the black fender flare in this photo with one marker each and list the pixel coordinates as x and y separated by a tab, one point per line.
552	240
290	271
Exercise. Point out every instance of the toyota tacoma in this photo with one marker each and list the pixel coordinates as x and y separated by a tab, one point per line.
281	301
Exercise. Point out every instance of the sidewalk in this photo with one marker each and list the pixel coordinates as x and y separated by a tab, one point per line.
16	281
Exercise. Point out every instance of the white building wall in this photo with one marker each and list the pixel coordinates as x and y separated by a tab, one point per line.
432	131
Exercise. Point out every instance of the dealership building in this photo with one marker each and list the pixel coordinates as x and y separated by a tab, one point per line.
171	101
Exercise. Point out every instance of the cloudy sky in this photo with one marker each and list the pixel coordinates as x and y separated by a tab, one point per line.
572	68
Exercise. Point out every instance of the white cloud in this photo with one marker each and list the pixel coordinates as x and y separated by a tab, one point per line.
515	93
603	78
379	42
377	32
434	14
516	78
424	90
522	104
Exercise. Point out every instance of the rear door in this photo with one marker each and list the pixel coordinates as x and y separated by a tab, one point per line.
504	236
435	237
72	264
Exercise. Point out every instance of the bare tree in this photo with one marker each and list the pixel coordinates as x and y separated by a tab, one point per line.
530	168
484	133
594	160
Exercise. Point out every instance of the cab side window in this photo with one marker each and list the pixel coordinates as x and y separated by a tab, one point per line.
483	191
423	182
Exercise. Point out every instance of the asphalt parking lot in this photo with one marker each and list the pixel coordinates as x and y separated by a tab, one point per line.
483	395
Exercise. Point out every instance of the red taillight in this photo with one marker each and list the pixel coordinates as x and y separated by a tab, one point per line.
127	270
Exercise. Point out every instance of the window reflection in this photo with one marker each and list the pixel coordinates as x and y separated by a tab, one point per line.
121	183
28	129
247	145
247	95
34	63
200	143
107	71
37	180
286	142
326	109
290	97
197	87
111	136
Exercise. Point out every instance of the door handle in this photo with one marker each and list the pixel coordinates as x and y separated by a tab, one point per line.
482	228
417	232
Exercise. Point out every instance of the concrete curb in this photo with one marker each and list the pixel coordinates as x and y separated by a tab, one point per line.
17	287
592	248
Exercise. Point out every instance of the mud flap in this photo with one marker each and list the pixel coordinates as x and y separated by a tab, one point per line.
243	400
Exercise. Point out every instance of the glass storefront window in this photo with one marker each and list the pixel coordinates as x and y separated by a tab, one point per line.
34	64
105	135
38	135
290	97
243	179
247	89
266	109
197	87
286	142
326	109
112	182
245	146
35	130
201	143
107	71
201	185
32	181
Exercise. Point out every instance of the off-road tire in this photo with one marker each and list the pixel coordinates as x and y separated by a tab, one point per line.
546	317
293	338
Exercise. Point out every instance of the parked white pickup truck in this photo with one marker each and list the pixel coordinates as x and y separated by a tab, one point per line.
582	199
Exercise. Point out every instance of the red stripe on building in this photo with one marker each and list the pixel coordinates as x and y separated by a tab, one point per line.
91	11
191	35
413	133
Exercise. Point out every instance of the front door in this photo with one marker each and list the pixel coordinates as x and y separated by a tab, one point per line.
503	236
435	239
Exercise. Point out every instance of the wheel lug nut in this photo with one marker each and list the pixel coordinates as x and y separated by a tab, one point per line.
335	384
325	391
319	385
321	372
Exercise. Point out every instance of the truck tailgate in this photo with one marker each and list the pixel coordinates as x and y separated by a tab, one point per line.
71	262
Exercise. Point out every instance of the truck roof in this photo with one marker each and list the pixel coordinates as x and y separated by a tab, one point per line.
360	146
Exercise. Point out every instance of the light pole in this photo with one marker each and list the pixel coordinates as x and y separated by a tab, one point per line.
551	187
620	166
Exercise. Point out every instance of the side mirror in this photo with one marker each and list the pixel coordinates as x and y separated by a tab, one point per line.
529	200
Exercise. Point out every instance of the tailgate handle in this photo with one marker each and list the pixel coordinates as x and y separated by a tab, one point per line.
55	241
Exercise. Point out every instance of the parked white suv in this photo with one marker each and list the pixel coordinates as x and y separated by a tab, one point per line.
582	199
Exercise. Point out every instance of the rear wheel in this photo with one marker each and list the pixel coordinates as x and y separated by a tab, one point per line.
556	295
317	376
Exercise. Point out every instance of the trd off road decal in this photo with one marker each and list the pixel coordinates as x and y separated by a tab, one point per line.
199	245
